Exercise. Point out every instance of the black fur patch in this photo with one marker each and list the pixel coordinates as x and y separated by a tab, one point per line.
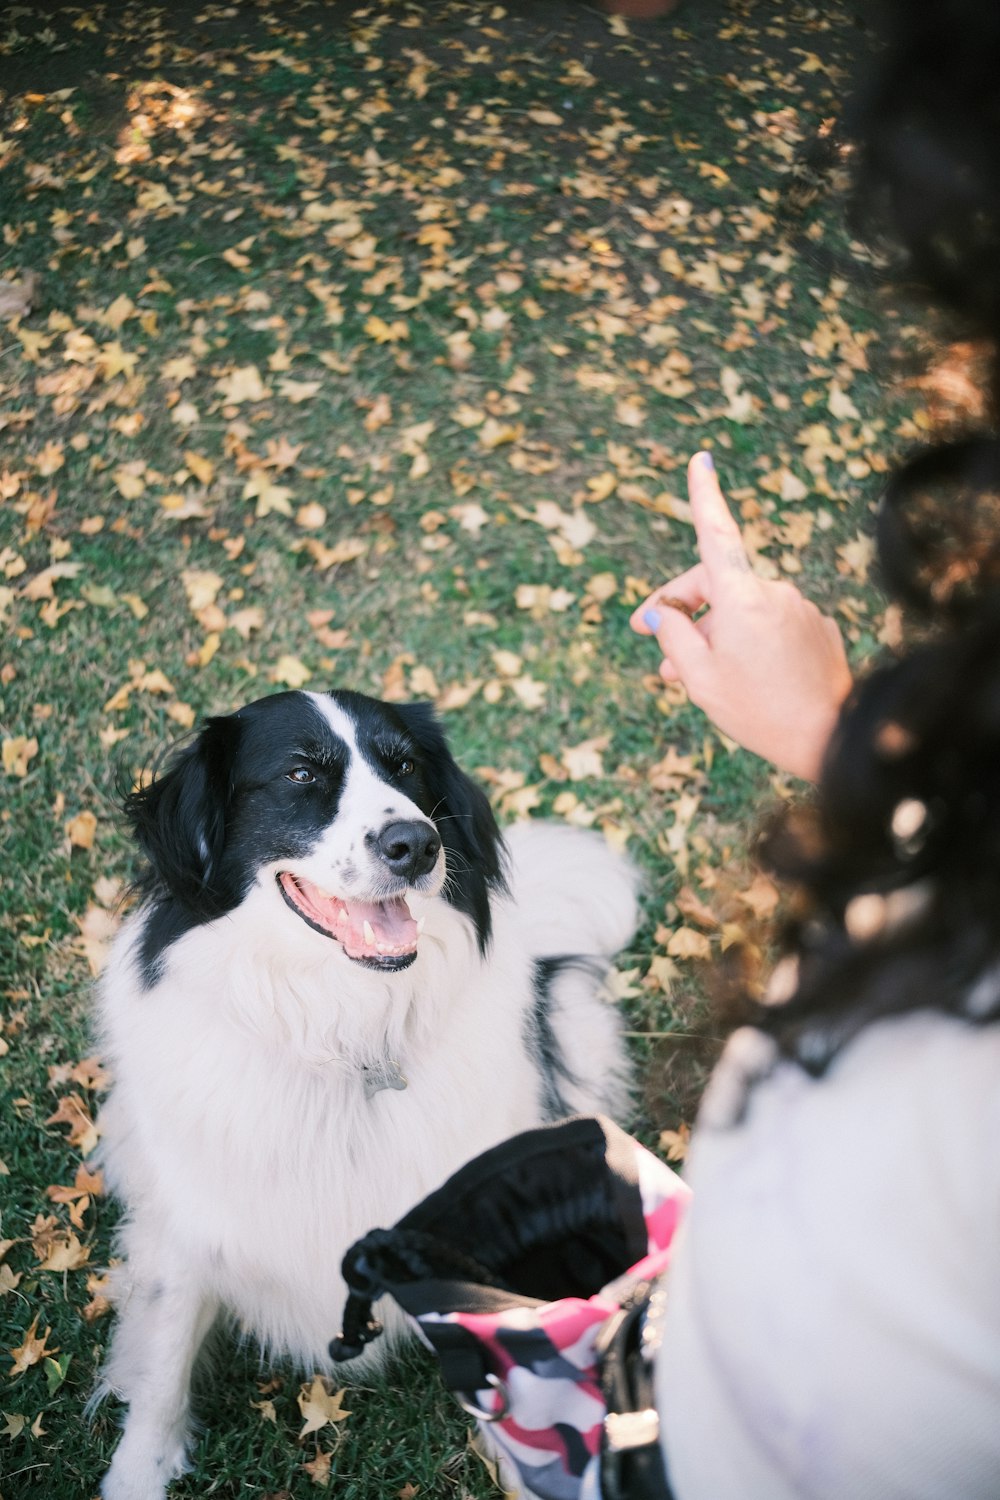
224	807
540	1039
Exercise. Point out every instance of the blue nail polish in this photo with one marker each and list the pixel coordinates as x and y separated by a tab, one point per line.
708	461
651	618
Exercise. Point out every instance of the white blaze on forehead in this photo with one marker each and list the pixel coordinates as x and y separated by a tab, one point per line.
340	722
365	797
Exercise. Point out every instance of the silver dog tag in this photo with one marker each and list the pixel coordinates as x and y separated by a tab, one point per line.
378	1076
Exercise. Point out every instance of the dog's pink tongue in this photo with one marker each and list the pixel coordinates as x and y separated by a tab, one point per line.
379	928
367	929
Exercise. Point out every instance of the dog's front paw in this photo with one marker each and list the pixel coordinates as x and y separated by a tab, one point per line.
142	1473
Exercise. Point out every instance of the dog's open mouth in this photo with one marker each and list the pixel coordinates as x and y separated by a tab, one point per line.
378	934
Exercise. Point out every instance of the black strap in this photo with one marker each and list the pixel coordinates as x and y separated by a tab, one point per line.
632	1466
390	1260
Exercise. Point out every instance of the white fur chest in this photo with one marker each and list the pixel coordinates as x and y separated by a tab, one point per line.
253	1143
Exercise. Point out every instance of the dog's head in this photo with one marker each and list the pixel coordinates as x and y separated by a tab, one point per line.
338	805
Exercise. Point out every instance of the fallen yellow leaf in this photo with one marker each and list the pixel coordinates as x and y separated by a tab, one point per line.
297	391
201	587
73	1111
32	1350
153	682
182	714
290	671
584	760
202	468
318	1468
310	516
17	752
423	683
507	663
65	1254
270	496
686	943
243	384
16	296
529	691
493	434
130	485
319	1406
41	586
81	830
97	928
387	333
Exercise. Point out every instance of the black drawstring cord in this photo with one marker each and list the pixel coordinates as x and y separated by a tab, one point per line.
359	1329
359	1326
385	1257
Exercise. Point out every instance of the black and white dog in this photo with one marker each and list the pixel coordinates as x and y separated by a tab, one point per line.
339	985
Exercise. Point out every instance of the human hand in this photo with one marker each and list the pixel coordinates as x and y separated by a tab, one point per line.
765	665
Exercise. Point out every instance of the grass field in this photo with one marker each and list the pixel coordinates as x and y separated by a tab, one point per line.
366	348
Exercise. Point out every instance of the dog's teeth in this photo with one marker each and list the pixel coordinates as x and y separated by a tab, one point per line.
342	914
420	925
369	932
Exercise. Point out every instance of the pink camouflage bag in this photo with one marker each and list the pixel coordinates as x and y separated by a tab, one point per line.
533	1275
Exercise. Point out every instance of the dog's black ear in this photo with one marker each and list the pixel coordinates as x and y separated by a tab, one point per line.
474	848
179	818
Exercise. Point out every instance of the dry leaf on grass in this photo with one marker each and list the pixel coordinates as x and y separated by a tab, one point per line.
242	385
320	1406
584	760
686	943
32	1350
17	297
73	1112
81	830
17	753
98	927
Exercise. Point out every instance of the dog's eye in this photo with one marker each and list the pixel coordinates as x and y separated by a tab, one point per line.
302	776
405	768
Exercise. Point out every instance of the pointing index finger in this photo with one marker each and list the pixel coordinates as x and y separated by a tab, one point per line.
720	542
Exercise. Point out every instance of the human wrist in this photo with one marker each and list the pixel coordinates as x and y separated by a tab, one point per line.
806	749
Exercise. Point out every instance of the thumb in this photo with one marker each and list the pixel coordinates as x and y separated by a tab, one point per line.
680	640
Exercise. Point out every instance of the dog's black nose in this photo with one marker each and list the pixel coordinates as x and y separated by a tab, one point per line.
409	849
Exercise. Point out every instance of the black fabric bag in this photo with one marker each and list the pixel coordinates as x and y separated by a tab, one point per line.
528	1273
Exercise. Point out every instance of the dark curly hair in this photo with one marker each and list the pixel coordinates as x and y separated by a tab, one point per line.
896	866
927	128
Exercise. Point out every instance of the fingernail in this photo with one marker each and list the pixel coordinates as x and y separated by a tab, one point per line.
651	618
707	462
